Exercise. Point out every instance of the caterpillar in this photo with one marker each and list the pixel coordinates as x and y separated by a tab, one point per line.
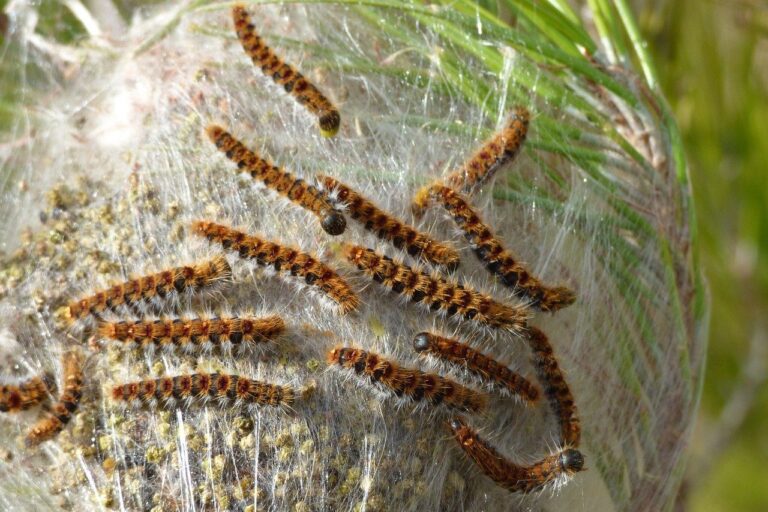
499	261
555	388
436	292
174	280
476	362
284	74
551	469
282	259
26	394
388	227
201	388
283	182
62	411
194	332
501	148
404	382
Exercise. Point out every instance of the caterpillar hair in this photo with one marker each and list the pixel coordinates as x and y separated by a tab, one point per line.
26	394
200	389
436	292
558	393
554	469
62	411
476	362
284	183
500	149
282	259
284	74
404	382
499	261
195	332
388	227
161	284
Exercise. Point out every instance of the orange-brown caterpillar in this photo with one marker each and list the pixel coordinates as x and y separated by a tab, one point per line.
26	394
174	280
201	388
501	148
497	260
405	382
284	74
476	362
63	410
387	227
282	259
551	469
557	390
284	183
438	293
195	332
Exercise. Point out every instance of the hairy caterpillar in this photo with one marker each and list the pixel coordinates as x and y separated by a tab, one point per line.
174	280
557	390
201	388
499	261
25	394
283	182
282	259
62	411
388	227
476	362
405	382
435	291
509	475
284	74
194	332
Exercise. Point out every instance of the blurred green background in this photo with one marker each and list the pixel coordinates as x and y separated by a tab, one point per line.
712	57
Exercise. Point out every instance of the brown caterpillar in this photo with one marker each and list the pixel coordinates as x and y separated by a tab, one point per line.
387	227
284	183
552	469
62	411
499	261
195	332
174	280
201	388
284	74
501	148
26	394
282	259
557	390
405	382
476	362
438	293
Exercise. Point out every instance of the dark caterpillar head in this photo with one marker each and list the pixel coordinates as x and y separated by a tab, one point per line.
421	342
334	223
572	461
329	123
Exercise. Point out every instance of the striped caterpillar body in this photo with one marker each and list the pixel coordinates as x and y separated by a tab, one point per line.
201	388
284	74
282	259
476	362
551	469
62	411
501	148
284	183
195	332
558	393
436	292
404	382
174	280
26	394
387	227
499	261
